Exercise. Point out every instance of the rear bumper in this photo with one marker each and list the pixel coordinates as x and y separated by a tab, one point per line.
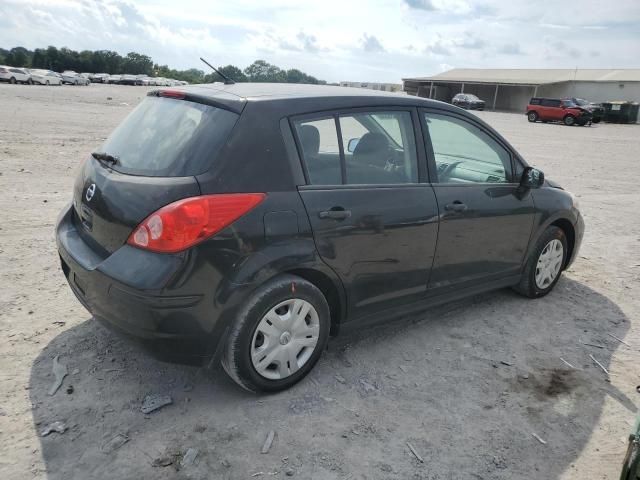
146	297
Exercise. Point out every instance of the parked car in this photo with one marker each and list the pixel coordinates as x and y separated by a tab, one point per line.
72	78
142	80
99	77
14	75
557	110
127	80
113	79
238	220
468	101
596	109
45	77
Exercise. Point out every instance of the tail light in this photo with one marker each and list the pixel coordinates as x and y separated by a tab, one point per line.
172	94
182	224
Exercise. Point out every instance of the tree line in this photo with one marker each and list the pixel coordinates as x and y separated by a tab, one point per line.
108	61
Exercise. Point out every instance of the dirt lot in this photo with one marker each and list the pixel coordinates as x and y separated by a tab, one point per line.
435	380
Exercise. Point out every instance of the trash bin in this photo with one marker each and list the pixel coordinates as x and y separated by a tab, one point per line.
633	112
620	112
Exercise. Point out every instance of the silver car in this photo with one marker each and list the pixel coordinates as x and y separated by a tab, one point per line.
99	78
15	75
45	77
72	78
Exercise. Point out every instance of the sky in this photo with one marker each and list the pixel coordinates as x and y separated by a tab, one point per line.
334	40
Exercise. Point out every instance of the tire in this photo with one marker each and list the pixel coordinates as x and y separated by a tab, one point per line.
569	120
596	120
530	284
12	81
30	81
532	117
76	83
278	298
47	83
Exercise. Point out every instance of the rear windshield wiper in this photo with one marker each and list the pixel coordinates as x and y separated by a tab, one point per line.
105	157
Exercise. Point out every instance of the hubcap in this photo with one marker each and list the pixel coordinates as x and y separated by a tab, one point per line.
285	339
549	264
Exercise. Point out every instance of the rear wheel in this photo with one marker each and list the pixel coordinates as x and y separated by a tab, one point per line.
545	264
12	81
278	336
30	81
569	120
47	83
532	116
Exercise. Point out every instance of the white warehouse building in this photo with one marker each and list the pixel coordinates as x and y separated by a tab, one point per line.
510	89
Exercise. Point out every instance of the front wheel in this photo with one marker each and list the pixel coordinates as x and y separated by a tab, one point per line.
569	120
47	83
545	264
532	117
12	81
278	336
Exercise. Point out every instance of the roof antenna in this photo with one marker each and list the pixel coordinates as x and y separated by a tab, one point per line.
227	80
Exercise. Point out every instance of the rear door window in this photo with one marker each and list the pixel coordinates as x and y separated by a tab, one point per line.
374	148
166	137
549	102
380	148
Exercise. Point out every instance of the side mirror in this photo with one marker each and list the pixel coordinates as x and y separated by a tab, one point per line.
352	144
532	178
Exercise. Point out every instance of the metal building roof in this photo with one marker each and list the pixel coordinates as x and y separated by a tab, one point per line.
526	76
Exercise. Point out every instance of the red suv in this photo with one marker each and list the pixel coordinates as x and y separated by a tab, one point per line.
555	110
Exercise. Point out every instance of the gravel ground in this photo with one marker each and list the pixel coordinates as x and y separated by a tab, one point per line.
467	385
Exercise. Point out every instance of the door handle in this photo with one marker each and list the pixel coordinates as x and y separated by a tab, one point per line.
336	213
456	206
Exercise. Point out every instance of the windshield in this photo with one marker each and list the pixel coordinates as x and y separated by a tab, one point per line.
581	101
472	97
164	137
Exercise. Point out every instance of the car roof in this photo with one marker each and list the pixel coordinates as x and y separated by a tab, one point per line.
274	91
295	98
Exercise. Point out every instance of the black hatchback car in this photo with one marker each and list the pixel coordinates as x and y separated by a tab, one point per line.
249	222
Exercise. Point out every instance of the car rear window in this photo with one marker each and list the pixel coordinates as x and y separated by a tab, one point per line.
165	137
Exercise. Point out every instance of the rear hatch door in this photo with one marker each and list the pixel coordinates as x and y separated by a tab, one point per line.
158	149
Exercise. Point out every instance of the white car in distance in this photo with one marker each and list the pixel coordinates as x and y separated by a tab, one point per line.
45	77
14	75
